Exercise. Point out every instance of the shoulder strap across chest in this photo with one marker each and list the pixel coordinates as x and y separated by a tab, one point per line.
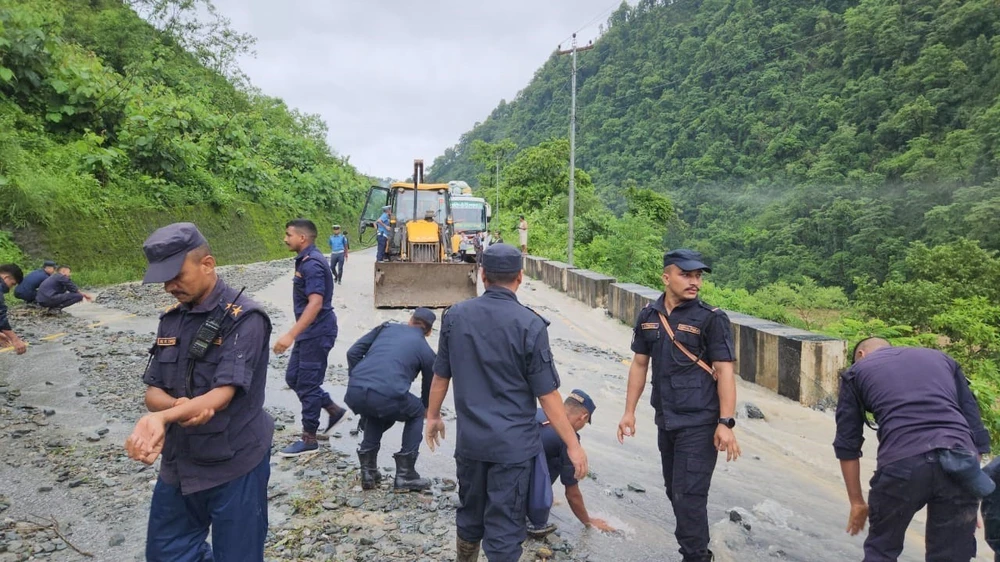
685	350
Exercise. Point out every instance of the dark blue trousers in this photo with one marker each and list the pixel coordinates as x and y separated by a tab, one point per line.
493	506
235	511
380	247
901	489
991	511
337	265
380	412
61	300
688	457
305	375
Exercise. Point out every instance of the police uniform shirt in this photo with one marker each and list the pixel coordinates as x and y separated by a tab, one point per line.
27	289
235	440
388	358
4	320
684	394
556	452
313	277
921	401
55	285
497	351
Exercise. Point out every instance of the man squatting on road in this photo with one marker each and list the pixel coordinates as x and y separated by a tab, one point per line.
205	391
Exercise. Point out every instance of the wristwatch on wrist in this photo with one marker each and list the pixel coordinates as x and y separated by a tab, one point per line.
728	422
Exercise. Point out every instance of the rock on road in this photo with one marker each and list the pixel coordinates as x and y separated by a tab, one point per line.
785	495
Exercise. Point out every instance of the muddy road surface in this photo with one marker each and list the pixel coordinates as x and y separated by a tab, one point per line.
67	490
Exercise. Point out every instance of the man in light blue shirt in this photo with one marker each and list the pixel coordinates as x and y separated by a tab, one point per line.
339	249
382	224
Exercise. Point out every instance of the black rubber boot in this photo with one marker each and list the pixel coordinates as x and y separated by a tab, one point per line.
407	477
370	475
466	551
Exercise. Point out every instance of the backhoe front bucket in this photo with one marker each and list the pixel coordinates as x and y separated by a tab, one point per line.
434	285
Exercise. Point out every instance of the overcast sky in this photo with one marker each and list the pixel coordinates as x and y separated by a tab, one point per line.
402	79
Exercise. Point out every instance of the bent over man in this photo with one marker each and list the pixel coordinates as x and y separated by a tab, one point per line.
497	351
381	367
27	290
205	392
690	345
929	434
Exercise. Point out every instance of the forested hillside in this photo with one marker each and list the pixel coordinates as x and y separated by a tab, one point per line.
112	125
785	131
836	160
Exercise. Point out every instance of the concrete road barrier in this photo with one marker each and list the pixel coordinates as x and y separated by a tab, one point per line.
554	274
625	300
533	266
797	364
589	287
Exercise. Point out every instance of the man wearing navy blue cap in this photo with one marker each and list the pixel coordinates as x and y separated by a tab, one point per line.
930	437
381	367
28	289
690	345
205	391
497	351
58	291
580	411
313	335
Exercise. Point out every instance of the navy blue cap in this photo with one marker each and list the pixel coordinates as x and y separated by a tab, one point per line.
426	315
166	249
963	467
502	258
687	260
584	399
48	263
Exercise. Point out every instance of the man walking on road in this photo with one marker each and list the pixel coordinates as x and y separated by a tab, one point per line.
929	434
205	391
313	335
381	367
10	276
580	410
694	393
497	350
382	229
340	247
522	231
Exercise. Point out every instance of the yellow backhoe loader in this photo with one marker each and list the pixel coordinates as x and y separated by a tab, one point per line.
421	267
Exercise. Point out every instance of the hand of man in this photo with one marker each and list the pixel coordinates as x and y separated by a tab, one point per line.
858	518
601	525
626	427
201	418
87	297
725	440
146	441
578	457
19	346
283	343
434	432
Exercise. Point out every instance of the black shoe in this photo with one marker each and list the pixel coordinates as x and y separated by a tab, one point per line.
370	475
540	532
337	414
407	477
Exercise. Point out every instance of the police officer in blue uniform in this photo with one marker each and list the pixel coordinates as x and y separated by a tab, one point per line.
580	409
497	351
381	367
383	230
57	291
694	393
27	289
205	391
313	335
10	276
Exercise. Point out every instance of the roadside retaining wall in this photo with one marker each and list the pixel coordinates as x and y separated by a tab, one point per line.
554	274
797	364
589	287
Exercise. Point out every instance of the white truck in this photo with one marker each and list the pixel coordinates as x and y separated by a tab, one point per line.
472	215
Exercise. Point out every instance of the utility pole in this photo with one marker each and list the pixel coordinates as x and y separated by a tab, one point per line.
572	143
497	213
